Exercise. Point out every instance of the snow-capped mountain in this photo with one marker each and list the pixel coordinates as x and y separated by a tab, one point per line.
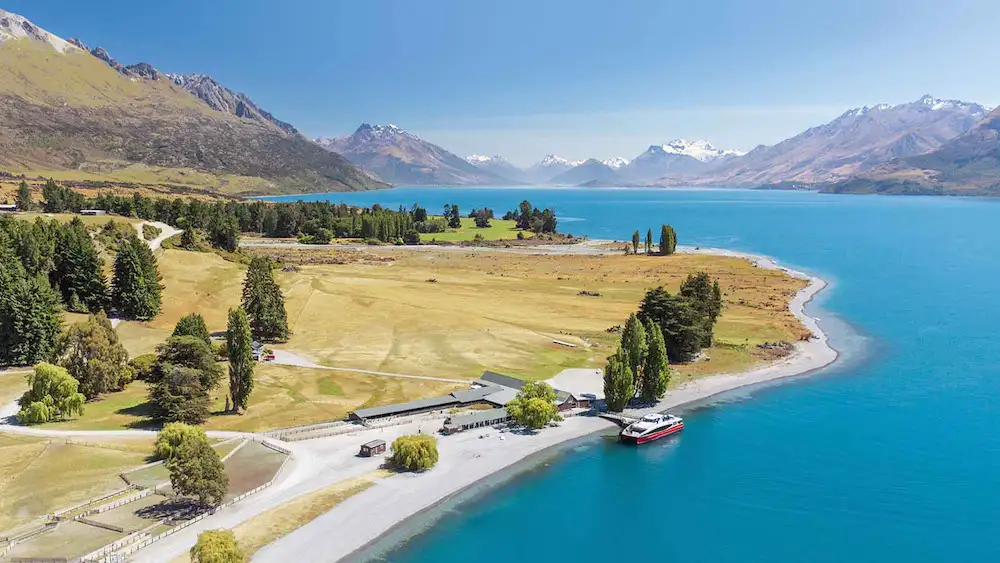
13	26
590	172
615	162
859	140
499	166
403	158
699	150
549	167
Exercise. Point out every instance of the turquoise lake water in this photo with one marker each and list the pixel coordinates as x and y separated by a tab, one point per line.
892	454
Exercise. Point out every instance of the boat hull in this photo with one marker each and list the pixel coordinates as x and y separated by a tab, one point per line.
636	440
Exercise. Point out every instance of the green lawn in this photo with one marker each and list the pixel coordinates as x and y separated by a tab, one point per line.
498	230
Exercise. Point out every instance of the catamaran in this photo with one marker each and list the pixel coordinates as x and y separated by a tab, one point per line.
651	427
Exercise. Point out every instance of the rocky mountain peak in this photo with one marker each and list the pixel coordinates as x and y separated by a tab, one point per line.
13	26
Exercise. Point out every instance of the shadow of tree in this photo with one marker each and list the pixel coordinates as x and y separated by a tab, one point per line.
174	509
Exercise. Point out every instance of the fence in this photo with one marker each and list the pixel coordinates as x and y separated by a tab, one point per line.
106	555
282	433
11	542
61	513
120	502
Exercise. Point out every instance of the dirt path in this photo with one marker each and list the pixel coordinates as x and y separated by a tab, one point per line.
284	357
166	231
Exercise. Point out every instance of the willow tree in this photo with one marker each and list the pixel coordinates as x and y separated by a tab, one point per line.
52	395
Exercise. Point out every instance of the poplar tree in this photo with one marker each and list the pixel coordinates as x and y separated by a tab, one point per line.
264	302
649	241
664	240
635	242
655	370
239	346
135	288
633	345
619	384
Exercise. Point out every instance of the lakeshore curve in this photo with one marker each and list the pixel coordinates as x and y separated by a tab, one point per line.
466	459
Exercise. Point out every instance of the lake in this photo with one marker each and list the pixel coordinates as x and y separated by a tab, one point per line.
891	454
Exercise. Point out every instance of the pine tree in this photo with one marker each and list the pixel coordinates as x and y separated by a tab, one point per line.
135	288
655	370
264	302
682	324
193	325
30	317
239	347
79	269
23	200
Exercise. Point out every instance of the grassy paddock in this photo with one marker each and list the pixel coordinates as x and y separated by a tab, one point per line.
498	230
39	476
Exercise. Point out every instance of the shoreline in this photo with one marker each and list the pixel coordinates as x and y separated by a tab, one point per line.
468	461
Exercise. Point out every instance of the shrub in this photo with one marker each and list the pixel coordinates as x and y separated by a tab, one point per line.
149	232
217	546
414	453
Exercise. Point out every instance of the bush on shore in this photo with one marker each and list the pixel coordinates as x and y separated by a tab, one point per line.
414	453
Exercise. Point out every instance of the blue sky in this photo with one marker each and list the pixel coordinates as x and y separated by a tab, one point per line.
578	78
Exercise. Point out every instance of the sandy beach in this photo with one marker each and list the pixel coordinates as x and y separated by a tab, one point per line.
466	458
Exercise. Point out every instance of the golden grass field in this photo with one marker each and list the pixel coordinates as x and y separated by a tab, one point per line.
485	310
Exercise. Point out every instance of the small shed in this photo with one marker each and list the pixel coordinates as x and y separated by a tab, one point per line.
372	448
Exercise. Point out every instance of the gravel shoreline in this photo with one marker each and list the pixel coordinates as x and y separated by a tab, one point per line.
468	458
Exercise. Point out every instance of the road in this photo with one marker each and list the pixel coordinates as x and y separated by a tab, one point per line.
284	357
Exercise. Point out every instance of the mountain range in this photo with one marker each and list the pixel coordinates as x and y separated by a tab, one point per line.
398	157
65	107
74	110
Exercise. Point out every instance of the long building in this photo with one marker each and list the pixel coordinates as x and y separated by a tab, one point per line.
494	389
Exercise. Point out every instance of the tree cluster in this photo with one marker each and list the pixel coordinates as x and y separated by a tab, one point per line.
414	453
528	218
452	216
639	367
686	319
534	406
92	354
532	219
29	310
482	217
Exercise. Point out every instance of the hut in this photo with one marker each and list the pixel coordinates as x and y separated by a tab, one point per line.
372	448
475	420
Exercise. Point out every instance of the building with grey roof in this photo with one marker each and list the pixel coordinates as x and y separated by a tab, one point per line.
494	378
475	420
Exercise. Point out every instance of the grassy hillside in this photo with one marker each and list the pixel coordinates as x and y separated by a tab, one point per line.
70	114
